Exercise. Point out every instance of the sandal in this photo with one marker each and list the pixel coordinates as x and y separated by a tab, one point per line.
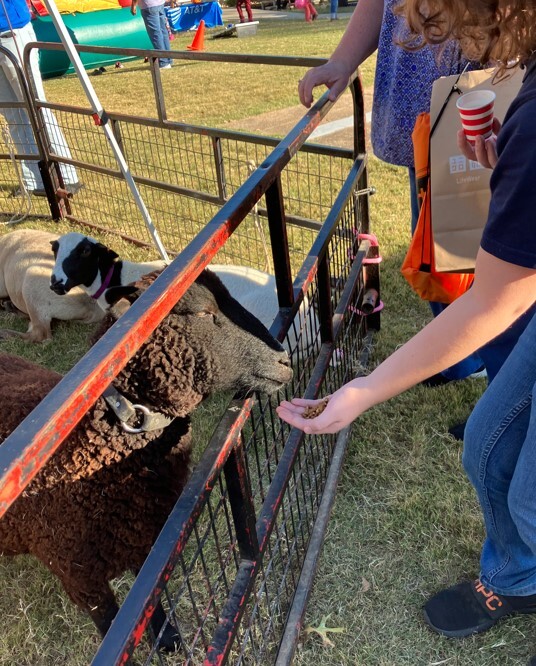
470	608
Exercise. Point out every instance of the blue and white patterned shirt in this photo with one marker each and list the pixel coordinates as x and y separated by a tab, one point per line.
403	87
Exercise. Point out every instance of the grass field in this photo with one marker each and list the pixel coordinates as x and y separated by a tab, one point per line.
405	522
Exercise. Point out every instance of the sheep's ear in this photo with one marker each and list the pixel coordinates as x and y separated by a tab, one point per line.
55	246
115	294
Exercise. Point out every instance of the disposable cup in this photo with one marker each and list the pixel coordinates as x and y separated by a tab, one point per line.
476	113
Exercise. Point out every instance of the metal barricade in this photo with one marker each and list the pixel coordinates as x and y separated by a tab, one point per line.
234	563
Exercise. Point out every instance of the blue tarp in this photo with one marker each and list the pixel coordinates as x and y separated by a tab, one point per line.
186	17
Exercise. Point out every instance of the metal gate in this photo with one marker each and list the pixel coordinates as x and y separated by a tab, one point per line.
234	564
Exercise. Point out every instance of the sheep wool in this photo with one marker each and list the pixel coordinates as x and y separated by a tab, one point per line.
96	508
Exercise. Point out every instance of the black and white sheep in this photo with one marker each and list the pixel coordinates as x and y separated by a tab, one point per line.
25	267
82	261
95	509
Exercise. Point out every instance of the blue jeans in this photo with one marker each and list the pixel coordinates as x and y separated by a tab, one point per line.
471	363
155	24
500	460
333	7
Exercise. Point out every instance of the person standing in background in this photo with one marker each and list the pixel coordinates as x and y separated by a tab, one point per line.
154	17
310	11
334	6
16	31
247	4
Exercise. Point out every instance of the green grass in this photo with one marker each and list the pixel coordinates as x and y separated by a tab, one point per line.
405	522
214	93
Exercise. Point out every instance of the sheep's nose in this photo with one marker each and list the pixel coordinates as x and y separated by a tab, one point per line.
284	358
57	286
285	372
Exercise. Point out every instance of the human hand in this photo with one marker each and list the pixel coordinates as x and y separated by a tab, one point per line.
133	9
484	151
334	74
343	407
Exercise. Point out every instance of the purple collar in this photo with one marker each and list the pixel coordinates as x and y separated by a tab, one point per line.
105	283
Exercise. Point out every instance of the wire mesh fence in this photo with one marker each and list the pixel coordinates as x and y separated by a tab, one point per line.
224	572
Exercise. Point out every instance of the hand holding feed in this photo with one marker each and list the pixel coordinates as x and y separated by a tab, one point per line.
343	407
334	74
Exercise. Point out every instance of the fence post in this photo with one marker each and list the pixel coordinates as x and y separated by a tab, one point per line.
279	238
220	169
324	303
240	499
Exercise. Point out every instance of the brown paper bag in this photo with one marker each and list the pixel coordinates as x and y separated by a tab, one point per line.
459	187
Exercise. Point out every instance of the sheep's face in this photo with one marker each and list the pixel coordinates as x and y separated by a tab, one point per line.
78	261
207	343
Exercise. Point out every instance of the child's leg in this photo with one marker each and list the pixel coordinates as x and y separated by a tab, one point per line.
239	10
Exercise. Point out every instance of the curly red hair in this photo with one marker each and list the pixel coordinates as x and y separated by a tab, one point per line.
503	31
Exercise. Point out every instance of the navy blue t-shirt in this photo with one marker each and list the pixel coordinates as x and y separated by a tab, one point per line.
510	232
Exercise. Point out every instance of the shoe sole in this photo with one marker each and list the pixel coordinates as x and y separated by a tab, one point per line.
482	374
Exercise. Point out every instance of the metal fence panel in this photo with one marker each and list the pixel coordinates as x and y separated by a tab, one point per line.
228	566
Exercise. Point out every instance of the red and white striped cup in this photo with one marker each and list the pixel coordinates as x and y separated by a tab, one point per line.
476	112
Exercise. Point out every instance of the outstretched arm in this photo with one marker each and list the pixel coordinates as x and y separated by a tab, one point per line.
359	41
500	294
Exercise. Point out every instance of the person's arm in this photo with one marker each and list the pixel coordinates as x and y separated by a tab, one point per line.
359	41
133	5
500	294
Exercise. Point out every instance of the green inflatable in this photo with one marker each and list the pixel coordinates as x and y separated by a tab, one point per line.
107	27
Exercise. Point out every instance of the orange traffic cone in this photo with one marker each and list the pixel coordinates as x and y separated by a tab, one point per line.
198	42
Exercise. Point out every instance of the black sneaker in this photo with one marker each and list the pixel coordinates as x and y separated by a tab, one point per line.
441	380
436	380
458	432
470	608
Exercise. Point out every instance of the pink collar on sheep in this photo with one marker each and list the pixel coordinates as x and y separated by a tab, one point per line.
100	291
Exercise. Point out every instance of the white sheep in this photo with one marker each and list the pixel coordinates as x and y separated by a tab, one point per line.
82	261
85	262
26	263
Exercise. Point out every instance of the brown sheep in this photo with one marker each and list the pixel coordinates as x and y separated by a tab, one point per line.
95	509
